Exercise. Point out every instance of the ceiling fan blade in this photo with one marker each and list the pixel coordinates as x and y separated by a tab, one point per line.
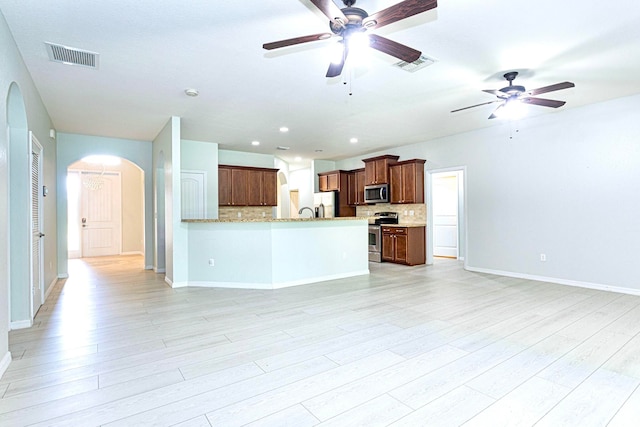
545	89
543	102
392	48
336	69
494	115
477	105
333	12
295	41
398	11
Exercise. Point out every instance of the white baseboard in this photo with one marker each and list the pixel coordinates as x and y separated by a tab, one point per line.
21	324
50	288
132	253
168	281
63	276
148	267
279	285
576	283
4	363
159	270
179	284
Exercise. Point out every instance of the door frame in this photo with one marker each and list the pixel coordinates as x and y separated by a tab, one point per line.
34	145
462	211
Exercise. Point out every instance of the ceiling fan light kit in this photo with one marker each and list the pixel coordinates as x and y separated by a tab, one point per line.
349	22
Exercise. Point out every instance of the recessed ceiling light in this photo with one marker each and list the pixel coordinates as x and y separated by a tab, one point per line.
298	158
353	140
255	142
191	92
284	129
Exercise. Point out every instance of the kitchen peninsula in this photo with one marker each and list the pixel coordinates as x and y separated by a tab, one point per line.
275	253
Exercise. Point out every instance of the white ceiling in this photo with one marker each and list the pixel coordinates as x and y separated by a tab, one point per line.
152	50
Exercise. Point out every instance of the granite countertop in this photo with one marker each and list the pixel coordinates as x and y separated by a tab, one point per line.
342	218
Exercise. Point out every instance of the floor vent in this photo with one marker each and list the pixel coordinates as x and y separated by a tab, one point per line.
418	64
72	56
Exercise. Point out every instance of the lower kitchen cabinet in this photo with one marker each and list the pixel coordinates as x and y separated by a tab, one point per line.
404	245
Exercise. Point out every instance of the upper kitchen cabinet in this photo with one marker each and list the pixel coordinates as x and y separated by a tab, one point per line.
332	181
406	182
262	188
376	169
247	186
356	187
224	185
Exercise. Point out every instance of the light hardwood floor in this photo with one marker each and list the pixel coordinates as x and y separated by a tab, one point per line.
405	346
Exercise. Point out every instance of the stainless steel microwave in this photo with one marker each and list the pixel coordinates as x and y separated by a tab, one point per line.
378	193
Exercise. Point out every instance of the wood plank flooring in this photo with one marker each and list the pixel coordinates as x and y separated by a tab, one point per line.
405	346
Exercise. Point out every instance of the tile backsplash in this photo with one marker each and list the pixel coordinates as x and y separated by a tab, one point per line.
246	212
419	211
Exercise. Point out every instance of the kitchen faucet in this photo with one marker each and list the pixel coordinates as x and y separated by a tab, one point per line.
313	214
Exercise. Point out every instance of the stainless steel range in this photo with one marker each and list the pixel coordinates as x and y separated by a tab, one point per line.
375	234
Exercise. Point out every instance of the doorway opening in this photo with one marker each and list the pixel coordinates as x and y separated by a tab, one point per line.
105	206
446	218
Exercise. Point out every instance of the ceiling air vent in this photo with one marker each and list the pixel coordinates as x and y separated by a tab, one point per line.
418	64
72	56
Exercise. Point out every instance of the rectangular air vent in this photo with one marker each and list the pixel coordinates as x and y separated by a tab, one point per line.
418	64
72	56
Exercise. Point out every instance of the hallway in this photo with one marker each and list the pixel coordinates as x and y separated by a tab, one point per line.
404	346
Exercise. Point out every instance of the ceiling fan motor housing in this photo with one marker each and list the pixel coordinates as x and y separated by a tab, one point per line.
355	16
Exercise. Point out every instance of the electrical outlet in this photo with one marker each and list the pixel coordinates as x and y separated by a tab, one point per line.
211	262
411	213
405	213
543	257
239	214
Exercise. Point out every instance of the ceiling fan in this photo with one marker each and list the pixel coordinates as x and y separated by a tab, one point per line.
352	21
513	95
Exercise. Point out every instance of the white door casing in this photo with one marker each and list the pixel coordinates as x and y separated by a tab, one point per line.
101	213
193	194
445	214
37	253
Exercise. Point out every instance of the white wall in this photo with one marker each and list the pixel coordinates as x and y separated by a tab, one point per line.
566	185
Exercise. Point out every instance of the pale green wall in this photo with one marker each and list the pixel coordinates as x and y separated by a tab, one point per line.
203	156
14	71
166	146
73	147
238	158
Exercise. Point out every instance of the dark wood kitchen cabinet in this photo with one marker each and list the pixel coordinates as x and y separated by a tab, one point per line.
247	186
376	169
406	181
404	245
338	181
356	187
262	188
224	185
330	181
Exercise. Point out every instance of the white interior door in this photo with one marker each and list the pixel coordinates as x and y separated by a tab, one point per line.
101	213
445	214
193	194
36	226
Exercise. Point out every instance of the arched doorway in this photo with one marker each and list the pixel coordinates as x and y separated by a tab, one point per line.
105	207
19	229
